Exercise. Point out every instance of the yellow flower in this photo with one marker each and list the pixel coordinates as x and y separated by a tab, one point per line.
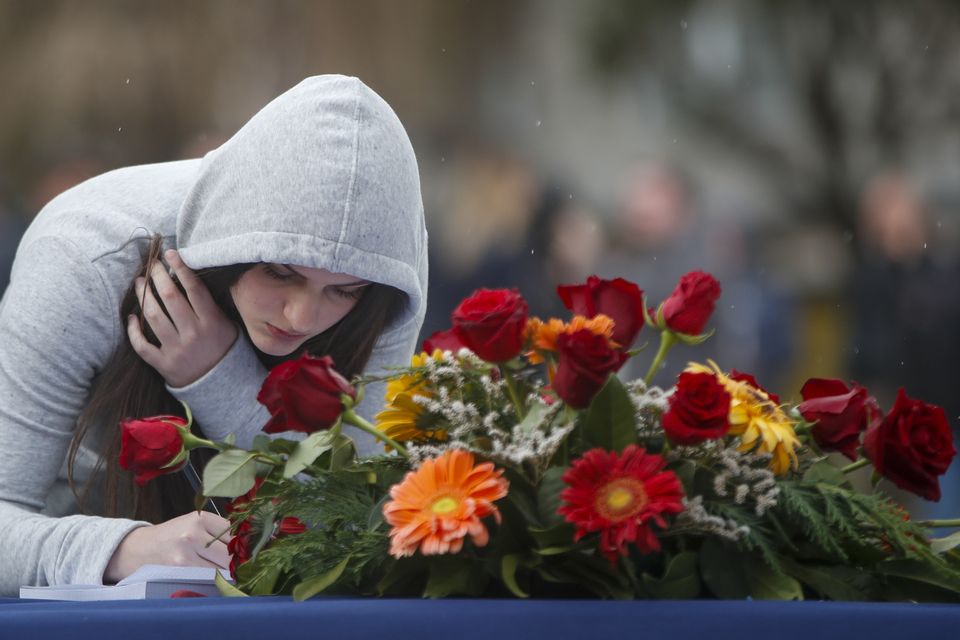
760	423
399	418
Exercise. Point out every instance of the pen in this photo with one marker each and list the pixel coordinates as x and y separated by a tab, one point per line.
194	478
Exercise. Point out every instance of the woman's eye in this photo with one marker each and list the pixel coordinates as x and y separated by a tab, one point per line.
276	275
352	294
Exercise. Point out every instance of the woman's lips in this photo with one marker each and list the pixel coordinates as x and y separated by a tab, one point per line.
280	333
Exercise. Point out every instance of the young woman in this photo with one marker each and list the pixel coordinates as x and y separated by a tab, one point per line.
186	281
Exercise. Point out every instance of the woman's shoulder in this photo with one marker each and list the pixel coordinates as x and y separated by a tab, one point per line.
103	214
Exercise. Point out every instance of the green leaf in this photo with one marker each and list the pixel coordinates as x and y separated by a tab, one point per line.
261	443
376	513
556	536
548	495
401	574
919	571
453	575
308	450
680	581
227	589
230	474
555	551
534	415
767	584
609	422
691	340
835	583
825	472
313	586
258	578
508	572
342	454
686	470
231	439
942	545
722	568
180	457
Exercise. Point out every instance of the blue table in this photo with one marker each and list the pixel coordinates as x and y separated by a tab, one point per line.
347	618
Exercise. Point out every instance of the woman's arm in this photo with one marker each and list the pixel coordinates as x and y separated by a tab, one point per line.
57	327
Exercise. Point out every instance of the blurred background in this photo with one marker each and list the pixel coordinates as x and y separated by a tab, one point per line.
806	153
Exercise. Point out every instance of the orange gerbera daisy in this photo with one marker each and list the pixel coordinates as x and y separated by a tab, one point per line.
622	497
543	335
435	507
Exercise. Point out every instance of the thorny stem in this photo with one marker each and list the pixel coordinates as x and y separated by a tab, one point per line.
939	524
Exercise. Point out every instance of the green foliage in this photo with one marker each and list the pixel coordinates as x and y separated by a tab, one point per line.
609	422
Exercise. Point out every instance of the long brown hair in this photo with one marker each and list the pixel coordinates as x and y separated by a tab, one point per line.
129	387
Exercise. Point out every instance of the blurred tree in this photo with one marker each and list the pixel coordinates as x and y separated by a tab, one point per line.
814	97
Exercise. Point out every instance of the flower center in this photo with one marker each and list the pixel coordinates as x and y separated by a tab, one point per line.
621	499
444	505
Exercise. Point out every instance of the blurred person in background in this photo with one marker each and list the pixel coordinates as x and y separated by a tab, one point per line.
907	310
660	232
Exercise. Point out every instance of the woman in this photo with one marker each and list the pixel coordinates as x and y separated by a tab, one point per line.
304	231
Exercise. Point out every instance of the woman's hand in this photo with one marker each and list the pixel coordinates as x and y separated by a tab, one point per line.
183	541
195	336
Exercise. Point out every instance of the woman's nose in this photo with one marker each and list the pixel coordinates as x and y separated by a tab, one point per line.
303	313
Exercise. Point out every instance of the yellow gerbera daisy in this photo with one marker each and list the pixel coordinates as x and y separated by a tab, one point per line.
400	415
760	423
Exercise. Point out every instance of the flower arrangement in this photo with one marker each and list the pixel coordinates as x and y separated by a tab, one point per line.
516	462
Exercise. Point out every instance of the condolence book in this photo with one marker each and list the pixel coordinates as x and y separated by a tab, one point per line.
149	581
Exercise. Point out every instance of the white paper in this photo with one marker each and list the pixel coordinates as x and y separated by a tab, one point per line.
149	581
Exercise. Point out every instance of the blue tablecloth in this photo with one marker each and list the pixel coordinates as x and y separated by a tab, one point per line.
347	618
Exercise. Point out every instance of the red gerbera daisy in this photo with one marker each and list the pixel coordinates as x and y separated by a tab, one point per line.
620	496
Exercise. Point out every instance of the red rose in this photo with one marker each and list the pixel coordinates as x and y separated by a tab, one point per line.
147	444
689	306
699	410
290	526
586	361
750	380
618	299
841	414
304	395
491	323
443	340
240	546
912	446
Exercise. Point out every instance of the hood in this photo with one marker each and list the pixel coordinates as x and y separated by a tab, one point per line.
324	176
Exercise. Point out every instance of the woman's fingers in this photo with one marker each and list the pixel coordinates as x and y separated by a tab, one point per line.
215	553
178	307
161	325
197	293
140	344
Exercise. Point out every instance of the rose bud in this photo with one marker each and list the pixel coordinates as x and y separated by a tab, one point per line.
586	361
491	323
304	395
443	340
912	446
618	299
692	302
841	414
699	410
148	445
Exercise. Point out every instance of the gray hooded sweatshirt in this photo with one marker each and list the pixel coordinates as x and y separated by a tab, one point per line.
324	176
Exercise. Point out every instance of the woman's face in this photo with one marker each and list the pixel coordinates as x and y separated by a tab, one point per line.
282	306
